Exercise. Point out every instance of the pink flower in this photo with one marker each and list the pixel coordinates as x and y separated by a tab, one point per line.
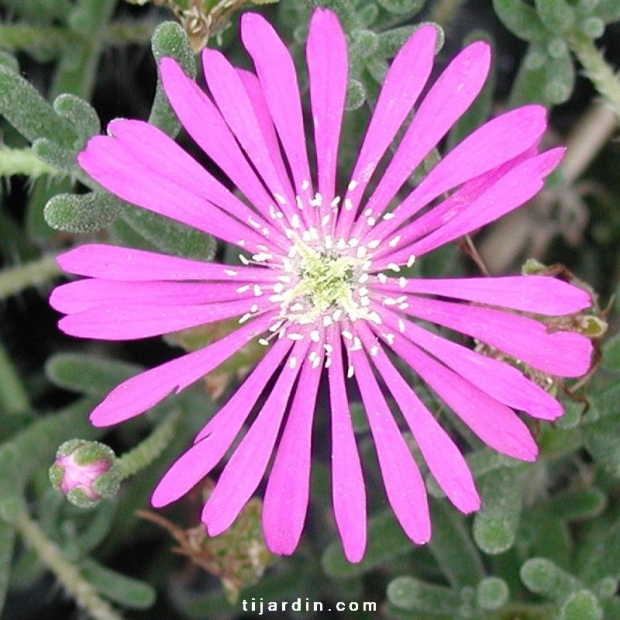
323	285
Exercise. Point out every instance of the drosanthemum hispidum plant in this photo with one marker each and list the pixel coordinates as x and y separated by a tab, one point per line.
321	284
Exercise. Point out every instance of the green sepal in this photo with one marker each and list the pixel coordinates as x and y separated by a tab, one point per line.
521	19
170	40
413	594
82	213
88	374
117	587
142	229
30	113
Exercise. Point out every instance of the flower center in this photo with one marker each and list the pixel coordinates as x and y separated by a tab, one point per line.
324	283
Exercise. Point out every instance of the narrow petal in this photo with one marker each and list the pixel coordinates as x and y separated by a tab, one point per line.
134	178
326	51
133	321
348	490
442	456
495	143
112	262
216	438
536	294
450	96
141	392
205	125
286	496
255	93
246	467
82	294
152	146
233	101
401	88
565	354
495	424
278	78
498	379
403	482
436	217
511	191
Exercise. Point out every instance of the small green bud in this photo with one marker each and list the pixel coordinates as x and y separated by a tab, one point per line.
85	471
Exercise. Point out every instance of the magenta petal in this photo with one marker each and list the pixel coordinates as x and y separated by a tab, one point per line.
401	88
450	96
133	321
137	178
278	78
565	354
234	103
515	188
327	56
255	93
82	294
141	392
217	436
348	491
286	497
495	424
498	379
495	143
536	294
442	456
246	467
111	262
403	482
204	124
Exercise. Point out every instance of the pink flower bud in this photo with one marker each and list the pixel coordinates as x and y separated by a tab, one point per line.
85	471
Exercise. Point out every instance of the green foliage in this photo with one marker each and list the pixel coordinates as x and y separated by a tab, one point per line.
544	545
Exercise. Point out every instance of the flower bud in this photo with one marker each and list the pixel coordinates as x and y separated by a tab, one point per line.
85	471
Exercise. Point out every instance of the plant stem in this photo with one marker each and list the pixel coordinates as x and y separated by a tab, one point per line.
149	449
586	140
23	161
84	593
15	279
597	69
